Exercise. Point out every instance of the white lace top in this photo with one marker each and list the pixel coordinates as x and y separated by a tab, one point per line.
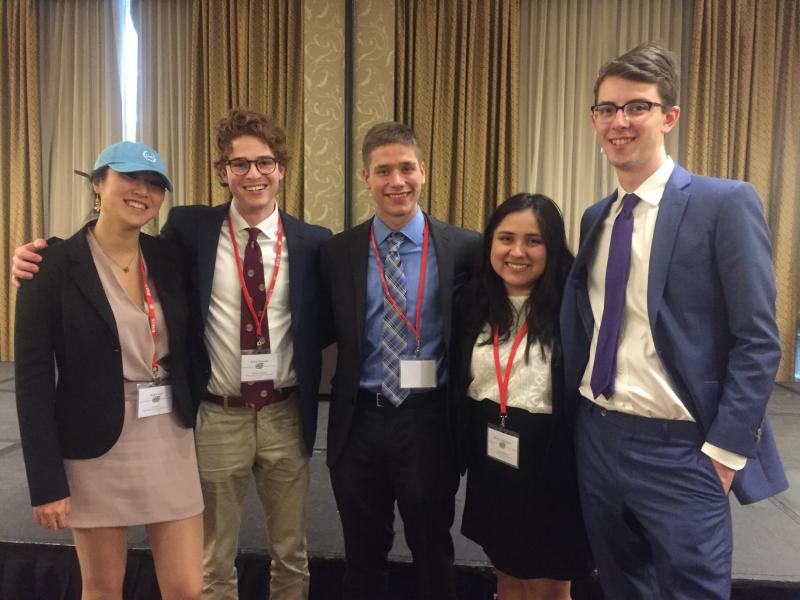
529	388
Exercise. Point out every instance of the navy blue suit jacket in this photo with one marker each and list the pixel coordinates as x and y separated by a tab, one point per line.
711	305
196	230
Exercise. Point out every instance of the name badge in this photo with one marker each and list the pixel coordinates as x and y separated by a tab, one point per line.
259	367
417	373
503	445
154	399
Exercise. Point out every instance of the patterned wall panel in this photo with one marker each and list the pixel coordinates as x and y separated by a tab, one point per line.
373	89
323	131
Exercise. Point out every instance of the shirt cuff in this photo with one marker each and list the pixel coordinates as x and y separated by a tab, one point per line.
726	457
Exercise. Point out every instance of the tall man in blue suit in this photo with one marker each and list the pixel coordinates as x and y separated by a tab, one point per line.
671	349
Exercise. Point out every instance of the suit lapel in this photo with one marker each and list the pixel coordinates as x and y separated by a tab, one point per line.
444	261
298	253
208	232
580	270
360	252
670	214
84	274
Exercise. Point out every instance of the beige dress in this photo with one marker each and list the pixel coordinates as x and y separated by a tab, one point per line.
150	474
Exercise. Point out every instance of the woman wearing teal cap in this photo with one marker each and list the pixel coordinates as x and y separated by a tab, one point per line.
107	439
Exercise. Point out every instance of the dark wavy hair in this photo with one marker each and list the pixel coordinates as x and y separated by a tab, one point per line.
543	304
242	121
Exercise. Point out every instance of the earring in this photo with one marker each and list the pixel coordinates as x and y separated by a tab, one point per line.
96	206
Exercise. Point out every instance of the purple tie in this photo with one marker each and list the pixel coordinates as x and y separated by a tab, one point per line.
619	260
255	393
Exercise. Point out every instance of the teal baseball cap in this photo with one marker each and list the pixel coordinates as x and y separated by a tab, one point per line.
128	157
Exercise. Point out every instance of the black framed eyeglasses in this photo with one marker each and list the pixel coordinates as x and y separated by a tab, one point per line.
606	111
241	166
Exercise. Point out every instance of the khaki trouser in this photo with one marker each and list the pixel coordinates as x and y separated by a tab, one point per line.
232	444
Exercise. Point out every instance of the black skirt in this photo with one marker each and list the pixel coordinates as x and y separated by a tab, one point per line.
527	520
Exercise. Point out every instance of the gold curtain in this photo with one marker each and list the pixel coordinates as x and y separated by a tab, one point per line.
20	150
456	79
564	43
244	53
81	102
743	123
164	28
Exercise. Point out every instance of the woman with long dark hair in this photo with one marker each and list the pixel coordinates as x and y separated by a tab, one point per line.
521	501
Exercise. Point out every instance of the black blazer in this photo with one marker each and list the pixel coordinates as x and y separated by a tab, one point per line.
63	315
344	279
196	230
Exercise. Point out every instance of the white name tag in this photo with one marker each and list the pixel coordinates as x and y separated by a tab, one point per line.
417	373
259	367
503	445
154	399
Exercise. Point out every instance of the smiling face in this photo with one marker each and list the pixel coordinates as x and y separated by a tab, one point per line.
129	199
394	177
253	193
518	254
634	146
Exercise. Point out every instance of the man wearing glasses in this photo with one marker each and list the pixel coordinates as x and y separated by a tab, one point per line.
256	309
256	339
670	349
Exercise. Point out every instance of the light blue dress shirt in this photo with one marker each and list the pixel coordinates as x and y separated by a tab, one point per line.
432	334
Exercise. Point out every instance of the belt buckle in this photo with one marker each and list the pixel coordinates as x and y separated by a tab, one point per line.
381	401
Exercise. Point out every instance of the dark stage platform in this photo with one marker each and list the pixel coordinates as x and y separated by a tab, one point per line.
39	564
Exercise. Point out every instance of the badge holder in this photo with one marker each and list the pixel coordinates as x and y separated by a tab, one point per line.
154	398
417	373
258	365
502	444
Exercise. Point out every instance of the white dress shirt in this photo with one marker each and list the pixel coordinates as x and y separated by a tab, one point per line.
642	386
222	332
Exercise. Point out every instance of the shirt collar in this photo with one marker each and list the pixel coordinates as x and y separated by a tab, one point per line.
652	189
412	230
269	226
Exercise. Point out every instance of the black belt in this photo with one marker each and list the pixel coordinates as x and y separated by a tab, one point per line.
237	402
417	400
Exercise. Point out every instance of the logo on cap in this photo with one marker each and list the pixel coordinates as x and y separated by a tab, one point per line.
148	156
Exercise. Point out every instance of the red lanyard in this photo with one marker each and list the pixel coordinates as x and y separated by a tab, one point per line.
258	319
423	268
151	315
502	379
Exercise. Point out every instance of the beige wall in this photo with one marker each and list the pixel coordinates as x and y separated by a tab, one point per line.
323	118
324	102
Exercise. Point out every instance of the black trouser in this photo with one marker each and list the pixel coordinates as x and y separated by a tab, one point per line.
404	455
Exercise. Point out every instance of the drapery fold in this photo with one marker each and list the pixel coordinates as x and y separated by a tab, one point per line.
743	124
81	102
565	42
164	29
21	209
456	78
244	53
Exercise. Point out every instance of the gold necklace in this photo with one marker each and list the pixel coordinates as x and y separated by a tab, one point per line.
127	267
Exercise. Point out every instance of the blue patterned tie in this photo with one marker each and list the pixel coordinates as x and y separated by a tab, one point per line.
619	260
393	341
